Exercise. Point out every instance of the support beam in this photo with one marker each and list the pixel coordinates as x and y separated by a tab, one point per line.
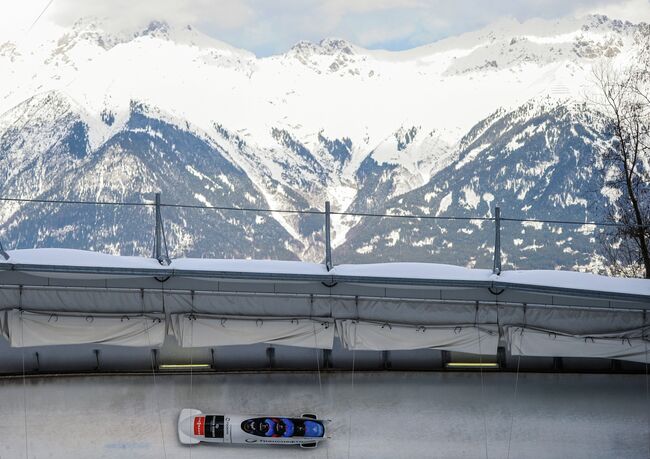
501	357
328	239
385	360
497	241
97	364
445	358
327	358
270	357
163	258
154	360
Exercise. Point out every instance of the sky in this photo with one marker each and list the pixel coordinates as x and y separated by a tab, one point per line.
268	27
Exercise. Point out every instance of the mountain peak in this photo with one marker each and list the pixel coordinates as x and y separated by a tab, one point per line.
600	21
104	34
336	45
100	31
327	46
155	28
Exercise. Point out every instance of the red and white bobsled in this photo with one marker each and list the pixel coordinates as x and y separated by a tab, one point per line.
195	427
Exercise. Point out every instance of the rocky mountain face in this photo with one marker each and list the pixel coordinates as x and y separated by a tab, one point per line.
147	155
537	162
453	129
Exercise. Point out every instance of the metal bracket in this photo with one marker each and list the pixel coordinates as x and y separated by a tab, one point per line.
496	291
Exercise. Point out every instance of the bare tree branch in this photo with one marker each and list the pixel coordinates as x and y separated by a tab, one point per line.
626	104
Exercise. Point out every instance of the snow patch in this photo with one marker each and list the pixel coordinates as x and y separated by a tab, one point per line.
472	199
471	156
445	203
202	199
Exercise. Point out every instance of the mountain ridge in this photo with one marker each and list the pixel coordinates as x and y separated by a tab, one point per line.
328	121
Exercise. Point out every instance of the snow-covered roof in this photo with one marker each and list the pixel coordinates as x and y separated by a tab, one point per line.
78	264
59	259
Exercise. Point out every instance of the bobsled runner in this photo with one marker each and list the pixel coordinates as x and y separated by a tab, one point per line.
195	427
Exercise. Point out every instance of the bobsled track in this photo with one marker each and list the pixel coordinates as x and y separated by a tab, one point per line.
99	353
380	415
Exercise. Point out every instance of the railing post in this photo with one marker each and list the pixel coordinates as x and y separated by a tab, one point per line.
3	254
497	241
328	241
160	237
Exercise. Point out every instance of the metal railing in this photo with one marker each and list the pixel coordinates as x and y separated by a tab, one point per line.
161	252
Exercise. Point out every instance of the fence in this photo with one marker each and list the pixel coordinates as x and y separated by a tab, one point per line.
434	232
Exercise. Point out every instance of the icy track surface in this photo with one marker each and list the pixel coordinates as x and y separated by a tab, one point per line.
385	415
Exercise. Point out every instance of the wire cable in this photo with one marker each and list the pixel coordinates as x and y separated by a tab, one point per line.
192	365
22	353
318	212
153	371
514	405
647	393
480	359
351	397
22	343
40	15
318	351
320	382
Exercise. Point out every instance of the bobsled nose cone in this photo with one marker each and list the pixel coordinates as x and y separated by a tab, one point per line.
186	426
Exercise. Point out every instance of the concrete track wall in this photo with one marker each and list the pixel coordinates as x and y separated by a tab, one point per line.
381	415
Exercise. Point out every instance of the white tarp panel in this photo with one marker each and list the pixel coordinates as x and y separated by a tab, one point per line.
91	300
568	321
413	312
37	329
205	330
471	338
250	305
628	345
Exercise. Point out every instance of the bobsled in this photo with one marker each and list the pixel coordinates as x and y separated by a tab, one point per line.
305	431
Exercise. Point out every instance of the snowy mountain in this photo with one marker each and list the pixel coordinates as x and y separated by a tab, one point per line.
453	128
537	162
147	154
